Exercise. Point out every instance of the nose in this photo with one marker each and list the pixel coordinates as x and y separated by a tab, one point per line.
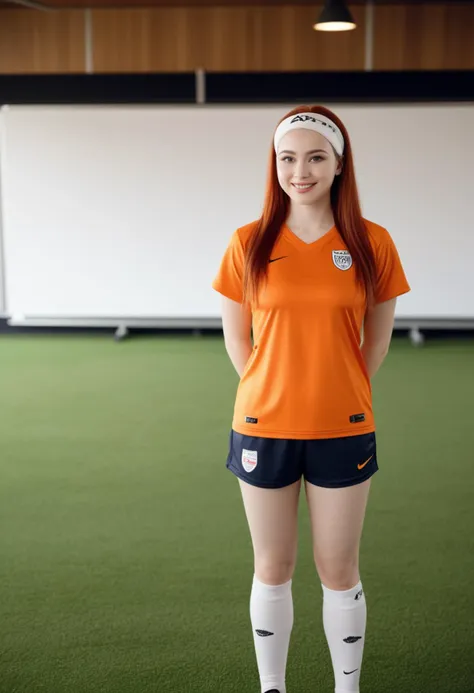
301	170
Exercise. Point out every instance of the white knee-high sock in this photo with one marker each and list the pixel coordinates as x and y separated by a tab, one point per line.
271	613
345	620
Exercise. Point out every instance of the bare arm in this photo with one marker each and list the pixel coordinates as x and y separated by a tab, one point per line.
237	326
378	328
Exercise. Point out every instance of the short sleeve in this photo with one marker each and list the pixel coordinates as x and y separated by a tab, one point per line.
229	278
391	278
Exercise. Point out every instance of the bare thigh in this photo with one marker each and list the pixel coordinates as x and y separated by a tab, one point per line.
337	519
272	516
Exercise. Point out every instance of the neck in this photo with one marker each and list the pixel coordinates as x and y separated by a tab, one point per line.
317	218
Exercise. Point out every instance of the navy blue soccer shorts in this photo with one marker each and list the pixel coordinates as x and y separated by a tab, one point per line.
328	462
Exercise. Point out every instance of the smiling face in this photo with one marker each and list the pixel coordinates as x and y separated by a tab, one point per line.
306	166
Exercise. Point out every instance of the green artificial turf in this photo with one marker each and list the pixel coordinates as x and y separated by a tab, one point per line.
125	557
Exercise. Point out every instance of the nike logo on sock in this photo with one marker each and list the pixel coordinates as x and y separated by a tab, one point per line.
350	672
352	638
263	633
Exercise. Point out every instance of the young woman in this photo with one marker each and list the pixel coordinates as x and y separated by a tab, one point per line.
310	277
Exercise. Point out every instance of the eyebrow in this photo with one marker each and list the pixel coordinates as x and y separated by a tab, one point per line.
313	151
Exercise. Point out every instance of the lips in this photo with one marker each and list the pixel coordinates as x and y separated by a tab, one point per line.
304	187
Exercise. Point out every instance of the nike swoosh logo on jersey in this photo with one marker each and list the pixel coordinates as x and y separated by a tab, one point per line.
278	258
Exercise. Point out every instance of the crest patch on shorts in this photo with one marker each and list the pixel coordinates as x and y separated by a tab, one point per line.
249	460
342	259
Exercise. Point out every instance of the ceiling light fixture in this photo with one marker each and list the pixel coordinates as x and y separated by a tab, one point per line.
335	17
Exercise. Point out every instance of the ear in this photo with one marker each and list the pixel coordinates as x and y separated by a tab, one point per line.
340	166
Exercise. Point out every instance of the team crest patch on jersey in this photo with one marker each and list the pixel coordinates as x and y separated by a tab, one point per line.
249	460
342	259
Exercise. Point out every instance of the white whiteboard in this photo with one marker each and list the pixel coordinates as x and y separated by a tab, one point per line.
126	210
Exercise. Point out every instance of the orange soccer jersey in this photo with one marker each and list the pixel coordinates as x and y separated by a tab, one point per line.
306	377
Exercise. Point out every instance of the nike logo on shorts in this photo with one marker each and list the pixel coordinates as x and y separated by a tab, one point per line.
361	466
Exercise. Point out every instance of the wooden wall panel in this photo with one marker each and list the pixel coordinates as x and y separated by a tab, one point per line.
285	40
222	39
238	38
459	39
425	37
139	40
41	42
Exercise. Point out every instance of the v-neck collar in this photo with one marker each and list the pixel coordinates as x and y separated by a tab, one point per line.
296	240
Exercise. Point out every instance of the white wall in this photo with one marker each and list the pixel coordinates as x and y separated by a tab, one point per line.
126	211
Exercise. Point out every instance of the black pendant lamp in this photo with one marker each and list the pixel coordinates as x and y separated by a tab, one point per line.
335	17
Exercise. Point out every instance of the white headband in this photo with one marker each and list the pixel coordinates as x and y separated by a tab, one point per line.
312	121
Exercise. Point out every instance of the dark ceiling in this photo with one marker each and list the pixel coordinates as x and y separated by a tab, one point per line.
69	4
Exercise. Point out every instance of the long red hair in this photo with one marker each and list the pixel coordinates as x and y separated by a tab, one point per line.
346	211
